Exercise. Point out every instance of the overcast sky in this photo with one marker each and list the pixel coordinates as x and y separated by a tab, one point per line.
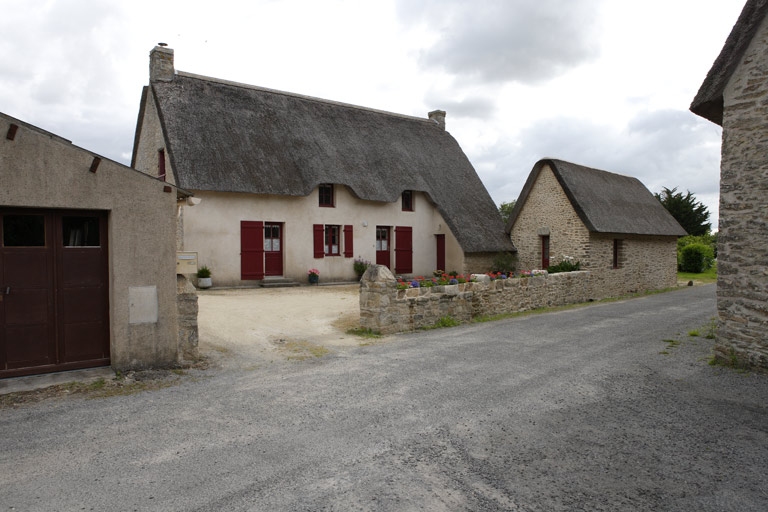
605	84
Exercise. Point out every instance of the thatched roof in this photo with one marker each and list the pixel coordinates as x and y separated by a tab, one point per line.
228	137
605	202
708	102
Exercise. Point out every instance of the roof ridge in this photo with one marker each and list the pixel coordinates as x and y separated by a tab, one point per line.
300	96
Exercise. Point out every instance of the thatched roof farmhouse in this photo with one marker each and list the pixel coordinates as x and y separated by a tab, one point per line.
223	139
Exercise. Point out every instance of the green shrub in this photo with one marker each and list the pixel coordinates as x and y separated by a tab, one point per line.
696	258
203	272
709	239
564	266
505	262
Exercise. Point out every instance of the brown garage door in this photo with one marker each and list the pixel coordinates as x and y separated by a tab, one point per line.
54	296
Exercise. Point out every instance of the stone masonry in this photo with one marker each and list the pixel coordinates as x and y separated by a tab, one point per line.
548	211
186	304
386	309
742	282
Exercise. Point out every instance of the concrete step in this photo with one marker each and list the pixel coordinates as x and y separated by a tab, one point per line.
278	283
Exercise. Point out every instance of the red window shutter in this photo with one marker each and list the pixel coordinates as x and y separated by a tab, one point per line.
348	248
319	239
403	249
251	250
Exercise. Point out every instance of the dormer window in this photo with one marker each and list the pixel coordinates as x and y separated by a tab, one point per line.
408	200
326	195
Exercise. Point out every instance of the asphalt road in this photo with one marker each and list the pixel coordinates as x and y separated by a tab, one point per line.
575	410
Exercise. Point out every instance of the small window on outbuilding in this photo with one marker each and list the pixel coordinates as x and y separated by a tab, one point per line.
408	200
326	195
617	252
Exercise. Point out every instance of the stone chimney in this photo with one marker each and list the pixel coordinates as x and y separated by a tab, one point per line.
438	116
161	63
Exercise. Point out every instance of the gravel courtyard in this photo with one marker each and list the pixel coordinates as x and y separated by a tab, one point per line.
244	327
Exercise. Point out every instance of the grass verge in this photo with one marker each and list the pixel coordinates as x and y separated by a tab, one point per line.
551	309
709	276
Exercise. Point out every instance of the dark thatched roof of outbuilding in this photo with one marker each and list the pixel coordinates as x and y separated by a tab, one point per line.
708	102
605	202
228	137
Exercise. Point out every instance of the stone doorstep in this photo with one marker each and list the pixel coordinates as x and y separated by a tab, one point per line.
33	382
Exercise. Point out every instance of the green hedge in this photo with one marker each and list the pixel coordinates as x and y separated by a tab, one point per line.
696	258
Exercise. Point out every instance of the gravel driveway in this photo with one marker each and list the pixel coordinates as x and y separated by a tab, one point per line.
584	409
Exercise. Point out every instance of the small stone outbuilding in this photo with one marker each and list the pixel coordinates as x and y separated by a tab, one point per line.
87	259
734	95
611	224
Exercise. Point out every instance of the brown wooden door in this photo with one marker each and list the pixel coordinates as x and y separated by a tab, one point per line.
403	249
441	253
273	249
382	246
54	295
82	292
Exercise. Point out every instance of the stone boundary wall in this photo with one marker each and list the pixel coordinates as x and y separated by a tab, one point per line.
386	309
186	305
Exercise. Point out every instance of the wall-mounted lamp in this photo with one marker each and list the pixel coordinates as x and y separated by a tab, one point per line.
365	223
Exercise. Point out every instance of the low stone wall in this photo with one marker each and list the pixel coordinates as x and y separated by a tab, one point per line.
186	304
386	309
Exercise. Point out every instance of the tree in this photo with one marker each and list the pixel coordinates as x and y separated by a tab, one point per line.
505	210
690	213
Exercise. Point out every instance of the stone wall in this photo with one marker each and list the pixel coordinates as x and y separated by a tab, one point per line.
742	289
386	309
186	305
645	263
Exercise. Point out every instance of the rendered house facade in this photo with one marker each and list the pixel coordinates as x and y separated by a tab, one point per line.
734	95
288	182
609	223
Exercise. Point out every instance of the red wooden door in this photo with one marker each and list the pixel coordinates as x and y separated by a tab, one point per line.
544	252
251	250
54	292
403	250
441	253
273	249
382	246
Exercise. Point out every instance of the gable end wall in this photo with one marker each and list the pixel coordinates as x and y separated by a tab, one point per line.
742	289
548	209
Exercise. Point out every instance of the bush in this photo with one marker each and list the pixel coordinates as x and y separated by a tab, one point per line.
696	258
708	239
203	272
360	265
564	266
505	262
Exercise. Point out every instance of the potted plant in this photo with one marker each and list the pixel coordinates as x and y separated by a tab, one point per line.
204	277
313	275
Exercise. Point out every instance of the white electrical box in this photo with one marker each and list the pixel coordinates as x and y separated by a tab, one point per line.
186	262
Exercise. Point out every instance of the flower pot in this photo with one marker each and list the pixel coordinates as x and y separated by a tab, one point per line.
204	282
313	279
